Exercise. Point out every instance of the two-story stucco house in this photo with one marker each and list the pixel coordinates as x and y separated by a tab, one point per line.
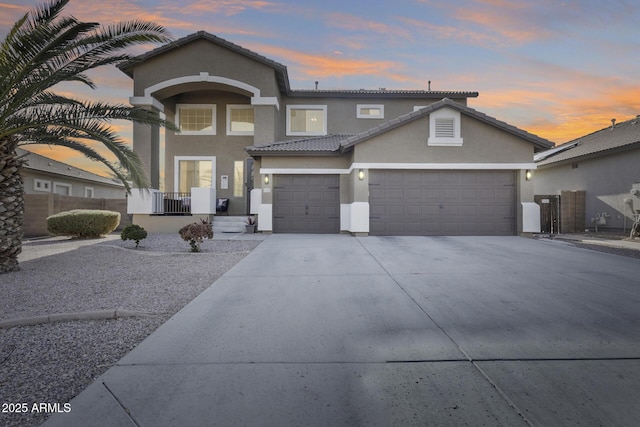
380	162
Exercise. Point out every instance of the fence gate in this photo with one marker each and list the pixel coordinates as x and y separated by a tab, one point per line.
549	213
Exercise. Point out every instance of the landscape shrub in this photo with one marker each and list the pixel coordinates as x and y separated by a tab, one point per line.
196	233
83	223
133	232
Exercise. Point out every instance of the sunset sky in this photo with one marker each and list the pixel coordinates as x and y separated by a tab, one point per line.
558	69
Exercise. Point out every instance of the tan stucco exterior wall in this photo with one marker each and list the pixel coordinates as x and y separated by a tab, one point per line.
203	56
408	144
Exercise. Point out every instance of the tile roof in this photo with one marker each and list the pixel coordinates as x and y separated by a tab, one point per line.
623	135
381	93
37	162
307	145
341	143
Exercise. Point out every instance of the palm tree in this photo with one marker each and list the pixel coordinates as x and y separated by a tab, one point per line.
41	50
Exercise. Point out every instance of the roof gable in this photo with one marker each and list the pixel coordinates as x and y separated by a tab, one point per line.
282	76
539	143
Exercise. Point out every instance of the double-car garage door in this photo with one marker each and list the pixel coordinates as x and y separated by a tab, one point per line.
402	203
446	202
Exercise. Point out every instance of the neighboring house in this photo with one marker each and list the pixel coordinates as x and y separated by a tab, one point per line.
42	175
404	162
603	165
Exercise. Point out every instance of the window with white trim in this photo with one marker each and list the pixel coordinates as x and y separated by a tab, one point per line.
370	111
88	192
444	128
196	119
42	185
305	120
62	189
196	171
240	120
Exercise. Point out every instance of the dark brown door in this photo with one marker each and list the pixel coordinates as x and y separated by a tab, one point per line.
306	204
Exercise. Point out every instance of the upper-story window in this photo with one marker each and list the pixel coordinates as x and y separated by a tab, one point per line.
240	120
444	128
196	119
306	120
370	111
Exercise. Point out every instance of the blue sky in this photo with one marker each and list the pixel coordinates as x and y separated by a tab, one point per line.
559	69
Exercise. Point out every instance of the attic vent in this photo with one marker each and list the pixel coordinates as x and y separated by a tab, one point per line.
445	128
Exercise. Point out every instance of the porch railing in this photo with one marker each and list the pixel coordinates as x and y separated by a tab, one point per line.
174	203
200	201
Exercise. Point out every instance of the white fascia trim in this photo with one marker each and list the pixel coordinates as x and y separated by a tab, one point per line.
411	166
146	101
445	166
202	77
293	171
266	100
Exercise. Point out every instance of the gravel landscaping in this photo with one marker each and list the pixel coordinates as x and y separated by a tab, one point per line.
53	362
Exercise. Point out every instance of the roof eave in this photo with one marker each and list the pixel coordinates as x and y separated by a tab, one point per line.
550	162
379	94
288	153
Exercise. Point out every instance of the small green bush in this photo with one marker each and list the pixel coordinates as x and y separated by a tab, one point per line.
133	232
196	233
83	223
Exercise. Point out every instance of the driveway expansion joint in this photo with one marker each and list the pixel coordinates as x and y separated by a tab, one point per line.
124	408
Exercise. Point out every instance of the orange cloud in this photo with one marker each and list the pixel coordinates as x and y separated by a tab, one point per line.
564	111
224	7
356	24
512	28
319	66
442	32
10	13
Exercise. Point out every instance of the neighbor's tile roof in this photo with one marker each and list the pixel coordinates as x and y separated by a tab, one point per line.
37	162
621	136
341	143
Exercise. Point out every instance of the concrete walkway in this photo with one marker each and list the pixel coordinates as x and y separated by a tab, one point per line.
343	331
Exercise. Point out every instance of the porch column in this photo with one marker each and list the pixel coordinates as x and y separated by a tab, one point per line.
266	118
146	143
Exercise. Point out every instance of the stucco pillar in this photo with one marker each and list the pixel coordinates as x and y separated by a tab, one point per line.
146	143
265	124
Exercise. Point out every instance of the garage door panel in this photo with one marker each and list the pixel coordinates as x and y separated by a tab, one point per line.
306	204
449	202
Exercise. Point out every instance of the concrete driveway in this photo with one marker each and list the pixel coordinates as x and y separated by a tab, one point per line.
394	331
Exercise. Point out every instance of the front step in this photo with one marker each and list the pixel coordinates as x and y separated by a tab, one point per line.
229	224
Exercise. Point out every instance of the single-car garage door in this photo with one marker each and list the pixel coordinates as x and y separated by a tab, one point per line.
431	202
306	204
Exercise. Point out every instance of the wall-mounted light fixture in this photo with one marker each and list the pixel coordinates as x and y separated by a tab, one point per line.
528	175
361	174
266	179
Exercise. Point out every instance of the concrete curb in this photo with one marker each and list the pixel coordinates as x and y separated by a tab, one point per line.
70	317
